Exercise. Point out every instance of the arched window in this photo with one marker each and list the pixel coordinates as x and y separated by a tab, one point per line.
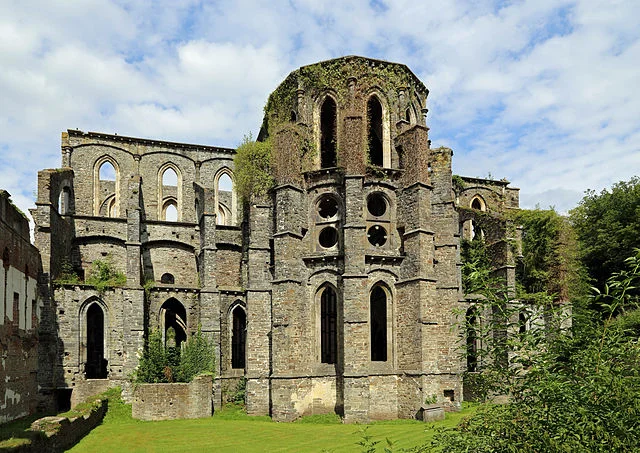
478	203
105	188
107	172
375	131
63	201
167	279
170	211
522	323
472	340
169	193
225	199
174	316
378	324
328	326
328	133
238	337
169	177
96	365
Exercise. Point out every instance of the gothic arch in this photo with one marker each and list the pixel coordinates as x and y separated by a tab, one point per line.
378	130
94	342
238	334
97	198
166	195
229	213
477	202
173	314
327	323
380	322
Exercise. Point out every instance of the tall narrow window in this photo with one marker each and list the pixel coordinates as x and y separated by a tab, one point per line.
378	324
173	316
328	135
374	123
106	193
225	200
238	338
328	326
96	366
472	340
169	177
63	202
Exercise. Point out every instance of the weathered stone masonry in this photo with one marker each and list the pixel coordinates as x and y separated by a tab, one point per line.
334	292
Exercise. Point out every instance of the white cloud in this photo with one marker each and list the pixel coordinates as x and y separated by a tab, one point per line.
540	91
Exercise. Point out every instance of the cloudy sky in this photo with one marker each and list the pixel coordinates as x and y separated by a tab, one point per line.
544	92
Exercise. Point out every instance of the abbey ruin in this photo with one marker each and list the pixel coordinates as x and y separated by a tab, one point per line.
334	290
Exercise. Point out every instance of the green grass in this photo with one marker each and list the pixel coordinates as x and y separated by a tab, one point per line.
230	430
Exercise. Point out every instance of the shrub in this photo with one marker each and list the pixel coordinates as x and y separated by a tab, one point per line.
104	275
253	168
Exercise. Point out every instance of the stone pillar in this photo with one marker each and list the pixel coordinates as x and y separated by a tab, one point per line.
355	298
133	244
259	309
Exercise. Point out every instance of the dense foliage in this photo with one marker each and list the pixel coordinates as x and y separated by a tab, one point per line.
608	228
160	363
102	275
253	168
574	390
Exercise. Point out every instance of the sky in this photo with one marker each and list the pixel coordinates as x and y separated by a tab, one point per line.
545	93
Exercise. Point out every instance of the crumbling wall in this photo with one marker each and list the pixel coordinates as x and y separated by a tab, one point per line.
172	401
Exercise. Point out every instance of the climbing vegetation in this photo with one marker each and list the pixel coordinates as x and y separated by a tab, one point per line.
253	161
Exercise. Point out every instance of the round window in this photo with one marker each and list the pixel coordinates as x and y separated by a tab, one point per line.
376	204
328	237
328	207
377	236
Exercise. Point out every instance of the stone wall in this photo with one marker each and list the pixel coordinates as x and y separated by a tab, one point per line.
172	401
19	314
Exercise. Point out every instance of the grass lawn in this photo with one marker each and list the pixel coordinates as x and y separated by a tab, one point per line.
229	430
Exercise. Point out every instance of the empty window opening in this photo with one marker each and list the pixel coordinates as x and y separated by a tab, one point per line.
328	133
376	205
169	177
476	232
225	200
374	116
294	117
478	204
197	209
167	278
472	341
170	211
377	236
238	338
328	207
407	115
378	308
328	326
107	172
328	237
174	316
522	323
96	366
450	395
63	202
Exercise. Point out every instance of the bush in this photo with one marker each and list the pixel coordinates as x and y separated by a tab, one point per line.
160	363
104	275
253	168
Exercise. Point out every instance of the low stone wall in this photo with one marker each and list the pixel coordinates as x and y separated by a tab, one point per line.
172	401
85	388
55	434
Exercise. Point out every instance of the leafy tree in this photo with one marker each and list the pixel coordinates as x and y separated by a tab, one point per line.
197	357
608	228
575	390
253	168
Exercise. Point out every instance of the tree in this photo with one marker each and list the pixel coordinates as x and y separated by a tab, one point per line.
608	228
574	390
253	168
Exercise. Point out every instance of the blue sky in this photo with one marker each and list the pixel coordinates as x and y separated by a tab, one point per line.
545	93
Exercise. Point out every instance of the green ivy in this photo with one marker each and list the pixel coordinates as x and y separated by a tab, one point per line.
253	164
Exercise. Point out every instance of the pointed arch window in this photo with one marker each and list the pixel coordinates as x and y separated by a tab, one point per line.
238	337
328	325
169	193
378	324
96	365
328	133
375	131
173	317
105	188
